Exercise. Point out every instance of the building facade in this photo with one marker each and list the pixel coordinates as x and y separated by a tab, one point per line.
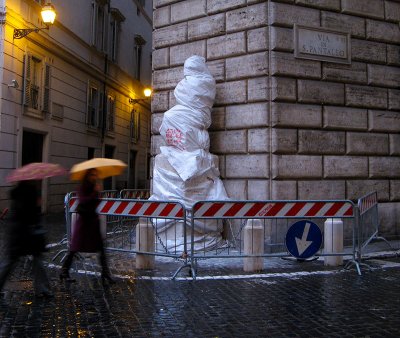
308	94
68	93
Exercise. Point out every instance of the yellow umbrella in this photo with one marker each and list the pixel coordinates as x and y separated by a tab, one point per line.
105	167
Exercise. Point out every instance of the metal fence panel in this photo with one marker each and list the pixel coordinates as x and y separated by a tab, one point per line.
275	218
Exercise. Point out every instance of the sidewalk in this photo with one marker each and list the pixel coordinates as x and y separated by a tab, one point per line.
288	299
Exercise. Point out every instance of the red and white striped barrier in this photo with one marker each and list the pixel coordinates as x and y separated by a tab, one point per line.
367	202
118	207
282	209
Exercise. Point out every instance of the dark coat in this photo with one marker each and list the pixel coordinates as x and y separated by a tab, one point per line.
86	236
25	216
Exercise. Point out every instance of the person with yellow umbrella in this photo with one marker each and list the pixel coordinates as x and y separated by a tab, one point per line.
86	236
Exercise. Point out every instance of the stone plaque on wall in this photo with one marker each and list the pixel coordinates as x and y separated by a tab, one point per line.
322	44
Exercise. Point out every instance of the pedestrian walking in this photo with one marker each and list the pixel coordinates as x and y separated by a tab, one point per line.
86	235
25	236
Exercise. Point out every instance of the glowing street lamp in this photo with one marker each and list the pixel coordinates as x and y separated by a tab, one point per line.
48	16
147	93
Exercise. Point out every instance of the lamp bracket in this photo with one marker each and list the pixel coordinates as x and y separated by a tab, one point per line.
134	101
21	33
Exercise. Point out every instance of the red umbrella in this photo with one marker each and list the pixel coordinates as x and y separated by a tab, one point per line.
36	171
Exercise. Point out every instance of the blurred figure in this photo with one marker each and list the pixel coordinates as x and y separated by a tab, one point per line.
86	235
24	238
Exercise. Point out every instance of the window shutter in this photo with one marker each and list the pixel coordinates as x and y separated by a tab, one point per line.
110	113
106	22
46	87
101	111
27	80
134	126
93	106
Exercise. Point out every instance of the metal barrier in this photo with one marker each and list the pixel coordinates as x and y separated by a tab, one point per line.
272	214
68	219
109	194
122	222
109	219
369	221
275	216
149	213
137	194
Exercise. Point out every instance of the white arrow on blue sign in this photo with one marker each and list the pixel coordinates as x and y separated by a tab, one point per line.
303	239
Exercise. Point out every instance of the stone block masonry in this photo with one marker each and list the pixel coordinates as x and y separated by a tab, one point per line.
287	127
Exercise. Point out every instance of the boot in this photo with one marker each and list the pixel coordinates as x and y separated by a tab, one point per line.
65	268
105	273
64	275
107	279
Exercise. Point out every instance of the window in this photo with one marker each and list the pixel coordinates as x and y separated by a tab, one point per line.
35	83
99	27
94	107
139	42
37	76
134	126
110	113
115	26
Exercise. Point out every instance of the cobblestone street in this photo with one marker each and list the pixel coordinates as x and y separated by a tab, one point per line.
288	302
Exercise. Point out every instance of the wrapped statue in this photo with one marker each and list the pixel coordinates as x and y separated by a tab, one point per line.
185	170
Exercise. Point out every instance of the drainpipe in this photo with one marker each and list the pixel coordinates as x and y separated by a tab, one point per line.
104	112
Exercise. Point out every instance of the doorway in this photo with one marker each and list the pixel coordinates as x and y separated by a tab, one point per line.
32	151
32	147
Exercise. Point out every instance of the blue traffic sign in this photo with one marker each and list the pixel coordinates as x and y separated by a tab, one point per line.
303	239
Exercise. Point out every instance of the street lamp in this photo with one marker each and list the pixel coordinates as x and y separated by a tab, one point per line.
147	93
48	16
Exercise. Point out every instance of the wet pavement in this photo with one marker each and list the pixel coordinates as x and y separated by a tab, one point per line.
287	299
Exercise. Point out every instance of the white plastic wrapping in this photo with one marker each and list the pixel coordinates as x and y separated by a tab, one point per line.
168	185
183	129
185	170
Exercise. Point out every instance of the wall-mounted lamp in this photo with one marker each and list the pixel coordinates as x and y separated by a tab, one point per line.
48	16
147	93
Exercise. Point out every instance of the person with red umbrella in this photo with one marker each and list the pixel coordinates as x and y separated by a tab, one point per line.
25	237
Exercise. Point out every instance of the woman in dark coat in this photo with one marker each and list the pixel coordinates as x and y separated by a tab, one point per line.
25	216
86	236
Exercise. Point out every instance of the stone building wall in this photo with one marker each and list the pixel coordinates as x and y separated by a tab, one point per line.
285	127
